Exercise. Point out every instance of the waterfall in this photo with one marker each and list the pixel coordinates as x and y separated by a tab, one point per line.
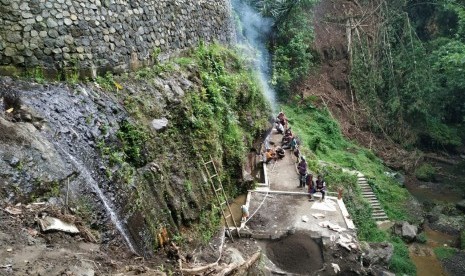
108	206
255	30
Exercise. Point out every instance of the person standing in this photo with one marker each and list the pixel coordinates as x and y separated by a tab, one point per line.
302	168
297	153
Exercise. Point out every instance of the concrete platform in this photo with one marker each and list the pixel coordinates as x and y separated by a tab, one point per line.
278	207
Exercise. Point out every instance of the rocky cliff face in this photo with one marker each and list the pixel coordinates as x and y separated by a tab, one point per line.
126	152
86	36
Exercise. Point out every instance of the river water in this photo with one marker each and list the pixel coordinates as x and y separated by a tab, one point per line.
448	187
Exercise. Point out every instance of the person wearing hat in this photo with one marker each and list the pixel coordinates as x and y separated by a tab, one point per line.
302	168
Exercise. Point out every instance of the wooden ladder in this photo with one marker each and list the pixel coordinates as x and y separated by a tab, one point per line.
219	191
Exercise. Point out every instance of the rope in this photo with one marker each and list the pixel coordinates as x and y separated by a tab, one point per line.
259	206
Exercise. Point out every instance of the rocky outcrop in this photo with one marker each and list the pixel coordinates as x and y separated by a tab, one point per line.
377	253
28	161
101	150
104	34
407	231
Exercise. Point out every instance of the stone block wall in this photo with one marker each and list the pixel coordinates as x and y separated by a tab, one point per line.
116	35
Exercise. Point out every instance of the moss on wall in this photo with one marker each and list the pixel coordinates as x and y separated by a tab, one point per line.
214	107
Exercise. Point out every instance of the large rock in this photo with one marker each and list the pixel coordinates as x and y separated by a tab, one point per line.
407	231
461	205
160	124
377	253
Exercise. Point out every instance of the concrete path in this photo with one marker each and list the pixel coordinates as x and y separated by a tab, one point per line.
279	206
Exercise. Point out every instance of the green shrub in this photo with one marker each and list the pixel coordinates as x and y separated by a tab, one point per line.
425	172
132	141
442	134
443	253
293	56
421	238
400	262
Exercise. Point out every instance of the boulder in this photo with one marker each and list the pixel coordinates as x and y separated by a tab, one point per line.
377	253
461	205
233	256
407	231
159	124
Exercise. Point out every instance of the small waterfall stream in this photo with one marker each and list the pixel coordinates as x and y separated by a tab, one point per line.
108	206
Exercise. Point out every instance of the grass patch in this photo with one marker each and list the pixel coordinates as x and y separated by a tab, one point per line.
425	172
443	253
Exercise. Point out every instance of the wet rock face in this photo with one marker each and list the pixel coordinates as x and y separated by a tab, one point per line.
105	34
27	159
50	143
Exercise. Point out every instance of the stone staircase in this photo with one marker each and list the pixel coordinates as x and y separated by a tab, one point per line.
378	212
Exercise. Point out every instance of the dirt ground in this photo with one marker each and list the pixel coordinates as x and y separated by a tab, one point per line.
26	250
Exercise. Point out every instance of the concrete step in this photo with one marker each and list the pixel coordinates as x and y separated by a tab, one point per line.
375	204
379	214
380	218
372	196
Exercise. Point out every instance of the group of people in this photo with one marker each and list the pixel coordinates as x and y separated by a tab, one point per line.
306	179
274	153
289	141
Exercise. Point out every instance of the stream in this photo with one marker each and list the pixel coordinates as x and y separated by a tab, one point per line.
447	189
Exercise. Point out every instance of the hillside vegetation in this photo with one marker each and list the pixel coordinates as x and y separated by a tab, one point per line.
407	70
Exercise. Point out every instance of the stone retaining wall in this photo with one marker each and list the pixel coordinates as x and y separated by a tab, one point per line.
115	35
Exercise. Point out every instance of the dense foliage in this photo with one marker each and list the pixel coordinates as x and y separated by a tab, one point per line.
291	45
409	72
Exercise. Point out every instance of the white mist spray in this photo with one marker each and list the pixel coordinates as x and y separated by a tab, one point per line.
255	30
